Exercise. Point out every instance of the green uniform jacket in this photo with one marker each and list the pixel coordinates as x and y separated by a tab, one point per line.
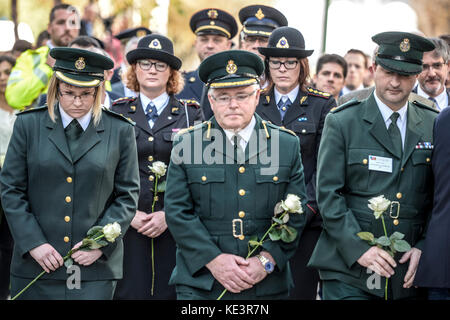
352	133
50	197
203	198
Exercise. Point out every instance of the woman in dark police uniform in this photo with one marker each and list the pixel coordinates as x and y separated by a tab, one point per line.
158	116
288	102
70	165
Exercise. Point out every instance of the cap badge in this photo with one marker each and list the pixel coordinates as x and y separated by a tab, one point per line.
231	67
259	14
405	45
282	43
80	64
212	14
141	33
155	44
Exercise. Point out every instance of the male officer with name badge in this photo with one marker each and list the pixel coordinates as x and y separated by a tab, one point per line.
213	29
224	180
378	146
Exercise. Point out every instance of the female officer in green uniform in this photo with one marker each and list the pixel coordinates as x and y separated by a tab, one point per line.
70	165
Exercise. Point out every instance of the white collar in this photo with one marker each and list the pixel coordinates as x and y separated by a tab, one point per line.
83	121
292	95
386	112
441	99
245	133
160	102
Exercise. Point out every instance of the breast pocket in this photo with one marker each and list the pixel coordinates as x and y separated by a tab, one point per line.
205	184
270	189
357	169
421	161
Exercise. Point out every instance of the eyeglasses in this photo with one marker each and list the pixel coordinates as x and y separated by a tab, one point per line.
85	97
147	65
226	99
436	66
289	64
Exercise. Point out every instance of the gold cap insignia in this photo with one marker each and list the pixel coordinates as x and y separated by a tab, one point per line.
405	45
231	67
259	14
141	33
212	14
154	44
80	64
282	43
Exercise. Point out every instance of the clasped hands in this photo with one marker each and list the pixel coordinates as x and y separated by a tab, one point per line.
151	225
236	273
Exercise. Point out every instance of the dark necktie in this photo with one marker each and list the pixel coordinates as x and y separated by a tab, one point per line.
151	113
73	132
238	152
283	106
434	101
394	133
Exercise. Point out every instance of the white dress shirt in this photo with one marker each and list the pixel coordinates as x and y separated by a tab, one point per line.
441	99
160	103
244	134
291	95
83	121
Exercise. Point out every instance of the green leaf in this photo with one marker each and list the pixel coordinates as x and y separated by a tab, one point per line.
276	220
253	243
401	246
396	236
92	231
288	234
68	262
91	244
275	234
367	236
162	186
384	241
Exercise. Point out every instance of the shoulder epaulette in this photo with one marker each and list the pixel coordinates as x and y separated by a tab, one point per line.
44	107
349	103
190	102
424	106
191	128
118	116
270	124
123	100
265	90
317	93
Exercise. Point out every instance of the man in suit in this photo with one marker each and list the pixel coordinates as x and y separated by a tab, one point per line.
380	146
330	74
434	74
213	29
217	203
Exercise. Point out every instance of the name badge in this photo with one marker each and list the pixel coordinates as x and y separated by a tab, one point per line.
382	164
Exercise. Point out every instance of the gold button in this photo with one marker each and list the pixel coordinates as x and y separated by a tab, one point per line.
150	158
428	159
151	178
365	161
399	195
66	218
275	178
241	214
242	192
241	237
203	178
69	179
66	239
241	169
150	139
68	199
402	169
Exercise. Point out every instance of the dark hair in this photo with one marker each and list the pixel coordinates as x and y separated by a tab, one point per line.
61	6
41	37
85	42
332	58
303	75
441	48
21	45
357	51
8	59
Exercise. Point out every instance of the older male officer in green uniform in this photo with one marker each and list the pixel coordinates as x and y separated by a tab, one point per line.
378	146
224	180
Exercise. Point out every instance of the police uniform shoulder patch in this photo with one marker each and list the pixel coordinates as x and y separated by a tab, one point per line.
118	116
123	100
190	102
424	106
317	93
352	102
41	108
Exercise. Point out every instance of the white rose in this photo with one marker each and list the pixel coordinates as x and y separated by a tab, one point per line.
379	205
292	204
159	168
111	231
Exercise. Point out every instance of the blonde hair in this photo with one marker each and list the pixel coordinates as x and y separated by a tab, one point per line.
52	98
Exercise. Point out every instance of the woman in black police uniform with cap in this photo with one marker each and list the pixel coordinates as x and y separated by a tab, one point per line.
158	116
288	102
70	165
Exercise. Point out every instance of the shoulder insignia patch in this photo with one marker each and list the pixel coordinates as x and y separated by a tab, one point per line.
352	102
41	108
424	106
123	100
190	102
118	116
317	93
